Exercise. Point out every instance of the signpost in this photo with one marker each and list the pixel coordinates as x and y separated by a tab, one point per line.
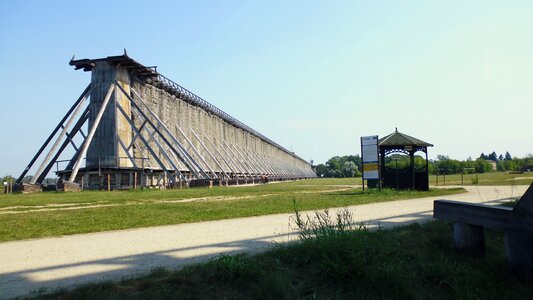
370	158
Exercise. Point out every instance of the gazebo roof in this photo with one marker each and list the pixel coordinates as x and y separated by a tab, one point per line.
401	139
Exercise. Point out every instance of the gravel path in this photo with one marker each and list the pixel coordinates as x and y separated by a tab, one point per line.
46	264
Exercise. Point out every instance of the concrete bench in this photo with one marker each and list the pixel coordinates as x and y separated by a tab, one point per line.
470	220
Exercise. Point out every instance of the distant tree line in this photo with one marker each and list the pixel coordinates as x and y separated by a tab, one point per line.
350	165
340	166
482	164
445	165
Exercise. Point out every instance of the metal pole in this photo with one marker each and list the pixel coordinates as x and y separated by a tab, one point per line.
362	159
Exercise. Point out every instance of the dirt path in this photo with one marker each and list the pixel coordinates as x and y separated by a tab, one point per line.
50	263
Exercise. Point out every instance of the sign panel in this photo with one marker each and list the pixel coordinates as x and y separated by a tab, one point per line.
369	157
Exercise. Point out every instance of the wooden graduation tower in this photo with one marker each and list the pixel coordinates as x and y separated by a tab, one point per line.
143	129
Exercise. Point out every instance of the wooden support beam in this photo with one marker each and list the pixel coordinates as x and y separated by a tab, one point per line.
246	160
210	155
196	151
53	149
238	166
153	137
195	167
152	152
91	134
74	131
220	155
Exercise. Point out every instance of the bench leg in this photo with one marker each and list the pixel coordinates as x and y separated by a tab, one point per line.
519	251
469	239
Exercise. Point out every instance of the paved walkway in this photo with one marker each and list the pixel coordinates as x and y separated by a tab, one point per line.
49	263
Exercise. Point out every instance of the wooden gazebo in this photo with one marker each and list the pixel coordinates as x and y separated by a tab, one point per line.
409	176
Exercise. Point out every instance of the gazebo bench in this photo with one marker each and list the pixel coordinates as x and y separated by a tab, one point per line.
470	220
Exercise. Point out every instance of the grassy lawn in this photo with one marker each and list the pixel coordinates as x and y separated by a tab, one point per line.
413	262
494	178
54	214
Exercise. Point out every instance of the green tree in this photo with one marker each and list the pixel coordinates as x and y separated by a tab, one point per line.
341	166
350	169
482	166
493	156
321	170
508	156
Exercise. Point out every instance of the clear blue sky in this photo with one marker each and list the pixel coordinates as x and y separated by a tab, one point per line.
313	76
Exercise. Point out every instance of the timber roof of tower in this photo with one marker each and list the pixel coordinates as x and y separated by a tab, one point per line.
150	76
124	60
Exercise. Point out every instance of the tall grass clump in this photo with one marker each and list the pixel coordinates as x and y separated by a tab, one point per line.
323	224
334	248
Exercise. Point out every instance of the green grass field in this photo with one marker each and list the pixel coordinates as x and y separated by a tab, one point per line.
25	216
412	262
493	178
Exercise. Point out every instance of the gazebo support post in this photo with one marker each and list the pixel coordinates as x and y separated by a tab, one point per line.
381	162
412	156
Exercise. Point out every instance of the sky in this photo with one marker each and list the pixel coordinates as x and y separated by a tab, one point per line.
314	76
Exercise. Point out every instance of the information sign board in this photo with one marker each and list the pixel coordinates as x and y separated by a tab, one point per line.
369	157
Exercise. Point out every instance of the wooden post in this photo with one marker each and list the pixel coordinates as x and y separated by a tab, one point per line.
82	177
118	180
518	251
135	181
108	182
469	238
413	175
